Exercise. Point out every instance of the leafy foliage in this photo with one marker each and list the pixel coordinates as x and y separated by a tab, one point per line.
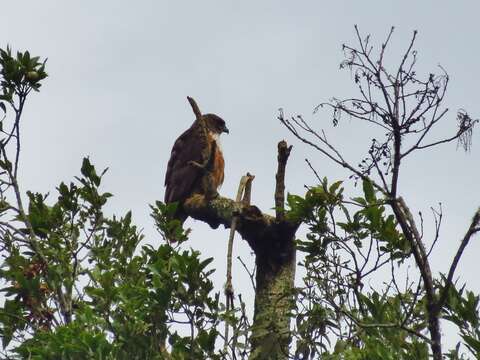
462	309
94	283
342	311
79	284
20	74
340	257
352	243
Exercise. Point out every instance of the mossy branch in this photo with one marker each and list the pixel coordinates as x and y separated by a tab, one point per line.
255	227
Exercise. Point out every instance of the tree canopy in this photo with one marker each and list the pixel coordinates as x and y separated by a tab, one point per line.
79	284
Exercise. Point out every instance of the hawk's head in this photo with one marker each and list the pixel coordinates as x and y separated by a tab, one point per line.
215	124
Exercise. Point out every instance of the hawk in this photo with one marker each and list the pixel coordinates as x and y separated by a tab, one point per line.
196	164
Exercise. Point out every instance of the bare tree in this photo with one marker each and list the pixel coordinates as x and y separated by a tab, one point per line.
406	107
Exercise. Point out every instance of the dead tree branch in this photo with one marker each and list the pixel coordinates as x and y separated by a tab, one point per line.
229	292
283	154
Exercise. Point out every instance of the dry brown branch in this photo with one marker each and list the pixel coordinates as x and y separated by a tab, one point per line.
247	194
229	292
283	154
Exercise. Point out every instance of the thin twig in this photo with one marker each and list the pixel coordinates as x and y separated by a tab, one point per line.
229	293
472	229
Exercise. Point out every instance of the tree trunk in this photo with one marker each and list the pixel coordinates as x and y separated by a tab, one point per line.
273	301
273	241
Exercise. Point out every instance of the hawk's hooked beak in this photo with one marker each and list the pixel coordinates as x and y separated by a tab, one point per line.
225	130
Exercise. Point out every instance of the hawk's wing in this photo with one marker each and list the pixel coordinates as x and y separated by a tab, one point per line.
181	176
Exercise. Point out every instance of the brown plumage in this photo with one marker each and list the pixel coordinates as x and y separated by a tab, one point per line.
196	163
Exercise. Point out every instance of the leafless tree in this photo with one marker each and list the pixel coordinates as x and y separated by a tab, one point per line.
406	107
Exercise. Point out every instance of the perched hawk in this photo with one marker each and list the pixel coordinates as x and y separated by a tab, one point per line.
196	164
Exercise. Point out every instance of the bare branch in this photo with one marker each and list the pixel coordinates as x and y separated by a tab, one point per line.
472	229
251	274
283	154
334	156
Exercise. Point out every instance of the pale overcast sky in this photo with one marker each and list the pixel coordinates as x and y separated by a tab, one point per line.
120	72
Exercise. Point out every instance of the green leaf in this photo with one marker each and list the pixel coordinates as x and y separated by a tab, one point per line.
472	342
205	263
360	200
87	168
369	191
335	186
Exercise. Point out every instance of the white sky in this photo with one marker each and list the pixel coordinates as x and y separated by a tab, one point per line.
120	72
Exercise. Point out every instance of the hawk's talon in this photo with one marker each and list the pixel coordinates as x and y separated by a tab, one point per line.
211	195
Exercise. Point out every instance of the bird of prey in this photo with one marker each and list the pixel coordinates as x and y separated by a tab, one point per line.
196	164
